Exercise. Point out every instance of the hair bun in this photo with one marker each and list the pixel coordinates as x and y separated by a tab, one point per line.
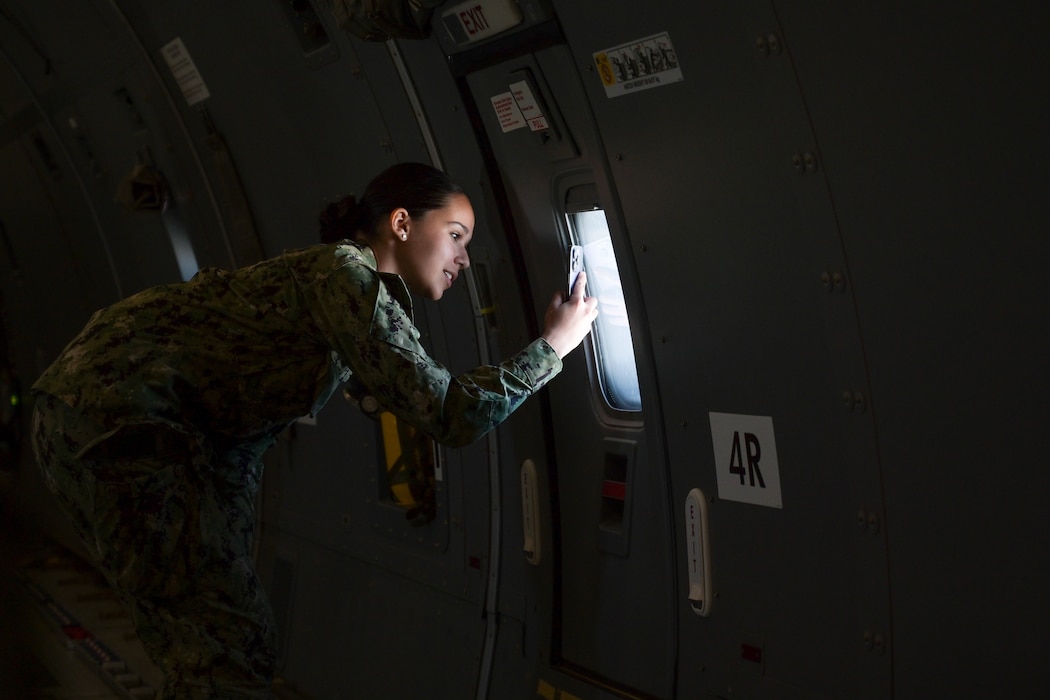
415	187
338	220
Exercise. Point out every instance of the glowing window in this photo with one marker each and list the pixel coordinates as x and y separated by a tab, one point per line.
611	338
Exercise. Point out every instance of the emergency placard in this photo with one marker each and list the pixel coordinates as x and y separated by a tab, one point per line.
507	112
519	108
639	65
530	108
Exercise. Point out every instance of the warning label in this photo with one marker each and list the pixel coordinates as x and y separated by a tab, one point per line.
507	112
530	108
519	108
642	64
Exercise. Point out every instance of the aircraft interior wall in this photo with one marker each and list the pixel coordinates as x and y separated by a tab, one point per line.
802	458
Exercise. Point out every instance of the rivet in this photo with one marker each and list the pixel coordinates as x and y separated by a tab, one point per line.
761	45
860	402
825	279
774	43
619	156
847	399
861	516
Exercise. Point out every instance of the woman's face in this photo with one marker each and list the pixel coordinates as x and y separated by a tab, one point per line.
434	248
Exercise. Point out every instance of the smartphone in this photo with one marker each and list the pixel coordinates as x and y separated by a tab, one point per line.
575	265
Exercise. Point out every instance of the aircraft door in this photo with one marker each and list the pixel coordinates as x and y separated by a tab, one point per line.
759	352
610	576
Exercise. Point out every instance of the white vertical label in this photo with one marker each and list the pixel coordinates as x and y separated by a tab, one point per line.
530	512
182	67
529	106
746	459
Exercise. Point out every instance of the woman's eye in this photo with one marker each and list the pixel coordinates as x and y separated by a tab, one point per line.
456	236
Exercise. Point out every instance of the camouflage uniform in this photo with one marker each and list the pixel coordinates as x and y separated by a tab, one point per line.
151	425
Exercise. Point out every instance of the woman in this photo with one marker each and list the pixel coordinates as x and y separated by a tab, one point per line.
151	425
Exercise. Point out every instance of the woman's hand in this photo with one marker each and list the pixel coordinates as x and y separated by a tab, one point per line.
567	323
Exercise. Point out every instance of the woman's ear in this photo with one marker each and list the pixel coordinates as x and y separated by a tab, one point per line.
399	221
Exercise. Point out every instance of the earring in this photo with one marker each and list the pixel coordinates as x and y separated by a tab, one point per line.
404	236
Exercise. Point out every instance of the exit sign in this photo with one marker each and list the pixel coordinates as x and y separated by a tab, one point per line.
473	21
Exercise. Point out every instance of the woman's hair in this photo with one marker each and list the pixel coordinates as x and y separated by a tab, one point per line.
417	187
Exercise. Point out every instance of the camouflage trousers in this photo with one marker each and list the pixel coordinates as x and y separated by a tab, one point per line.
169	521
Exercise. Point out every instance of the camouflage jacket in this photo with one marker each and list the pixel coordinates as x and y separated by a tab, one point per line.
241	354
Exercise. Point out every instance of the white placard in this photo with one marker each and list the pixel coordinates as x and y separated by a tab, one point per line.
530	108
639	65
182	67
746	459
507	112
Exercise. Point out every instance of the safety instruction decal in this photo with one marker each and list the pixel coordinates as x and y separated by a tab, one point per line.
519	108
746	459
642	64
185	71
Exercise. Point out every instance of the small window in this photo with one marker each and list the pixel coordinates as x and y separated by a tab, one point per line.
180	240
611	338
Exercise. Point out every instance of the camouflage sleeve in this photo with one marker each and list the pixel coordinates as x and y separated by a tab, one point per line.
375	336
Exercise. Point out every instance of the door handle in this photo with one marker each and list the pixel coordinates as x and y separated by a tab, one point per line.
530	512
698	552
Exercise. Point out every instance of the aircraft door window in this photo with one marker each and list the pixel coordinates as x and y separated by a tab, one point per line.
611	343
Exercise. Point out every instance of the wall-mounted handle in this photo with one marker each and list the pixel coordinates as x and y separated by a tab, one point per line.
698	552
530	512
